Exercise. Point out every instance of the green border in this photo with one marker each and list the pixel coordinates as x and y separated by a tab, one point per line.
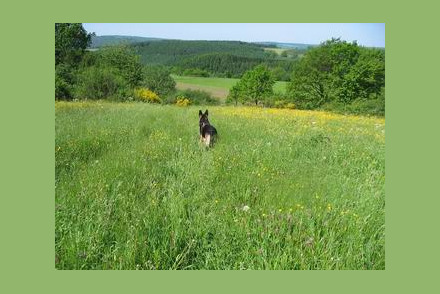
27	157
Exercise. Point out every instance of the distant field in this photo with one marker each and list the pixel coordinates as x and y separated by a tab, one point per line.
276	50
281	189
218	87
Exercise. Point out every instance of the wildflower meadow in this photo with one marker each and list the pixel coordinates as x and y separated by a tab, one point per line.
281	189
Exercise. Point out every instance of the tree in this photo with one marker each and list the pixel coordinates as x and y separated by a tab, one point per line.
279	74
64	80
98	82
158	80
337	72
308	86
234	94
123	59
365	77
71	40
255	85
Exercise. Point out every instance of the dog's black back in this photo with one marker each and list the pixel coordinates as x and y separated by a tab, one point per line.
208	133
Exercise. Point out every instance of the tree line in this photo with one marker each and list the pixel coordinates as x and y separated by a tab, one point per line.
214	58
337	75
109	73
171	52
233	66
112	73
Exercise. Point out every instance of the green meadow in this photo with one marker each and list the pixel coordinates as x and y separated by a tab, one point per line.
278	51
281	189
217	87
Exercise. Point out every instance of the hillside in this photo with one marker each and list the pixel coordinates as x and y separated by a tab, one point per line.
210	58
173	51
110	40
216	58
107	40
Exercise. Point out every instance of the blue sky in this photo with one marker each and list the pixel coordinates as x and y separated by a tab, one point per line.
366	34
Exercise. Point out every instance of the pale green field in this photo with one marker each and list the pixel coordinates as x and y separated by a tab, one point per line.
276	50
281	189
218	87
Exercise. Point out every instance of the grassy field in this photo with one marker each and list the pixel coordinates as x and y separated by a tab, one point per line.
276	50
218	87
281	189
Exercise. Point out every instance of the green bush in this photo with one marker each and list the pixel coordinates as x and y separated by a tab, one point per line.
374	105
124	60
110	73
158	80
278	100
280	74
365	106
340	75
254	87
195	72
101	83
62	89
64	80
280	103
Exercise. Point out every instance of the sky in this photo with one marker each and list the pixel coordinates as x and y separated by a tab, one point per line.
366	34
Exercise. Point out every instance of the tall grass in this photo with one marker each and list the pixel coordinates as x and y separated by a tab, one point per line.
282	189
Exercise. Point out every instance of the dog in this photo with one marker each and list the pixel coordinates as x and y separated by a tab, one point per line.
208	134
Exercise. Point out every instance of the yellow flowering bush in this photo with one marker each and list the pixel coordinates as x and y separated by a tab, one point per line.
279	104
182	101
283	104
146	95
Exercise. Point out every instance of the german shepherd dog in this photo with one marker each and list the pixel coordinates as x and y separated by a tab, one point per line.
208	134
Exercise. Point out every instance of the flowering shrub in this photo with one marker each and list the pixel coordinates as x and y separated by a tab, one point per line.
146	95
290	105
283	104
182	101
279	104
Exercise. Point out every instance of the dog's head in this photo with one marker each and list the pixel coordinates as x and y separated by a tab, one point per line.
203	119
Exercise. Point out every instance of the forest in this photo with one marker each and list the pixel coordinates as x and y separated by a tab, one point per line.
213	58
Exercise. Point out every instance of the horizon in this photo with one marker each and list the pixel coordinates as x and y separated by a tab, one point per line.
365	34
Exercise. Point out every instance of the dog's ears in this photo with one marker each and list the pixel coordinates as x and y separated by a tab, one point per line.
200	113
